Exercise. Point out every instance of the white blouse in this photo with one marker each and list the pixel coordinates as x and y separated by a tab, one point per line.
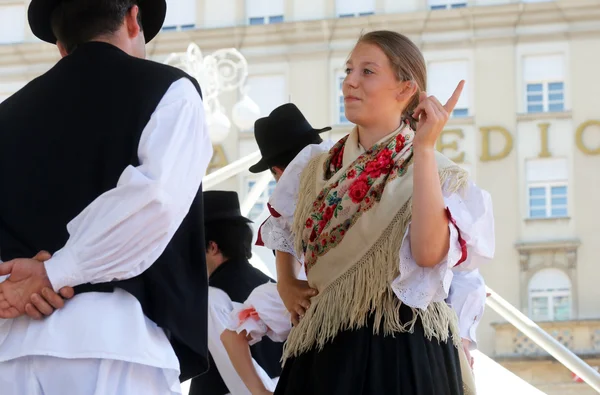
459	285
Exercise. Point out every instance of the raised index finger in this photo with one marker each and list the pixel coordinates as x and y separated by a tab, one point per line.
451	103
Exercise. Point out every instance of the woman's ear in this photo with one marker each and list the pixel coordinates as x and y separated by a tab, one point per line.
407	90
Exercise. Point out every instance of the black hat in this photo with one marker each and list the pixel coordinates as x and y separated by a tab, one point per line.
284	130
222	205
152	11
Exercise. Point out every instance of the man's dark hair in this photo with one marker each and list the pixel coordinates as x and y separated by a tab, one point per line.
75	22
233	238
284	159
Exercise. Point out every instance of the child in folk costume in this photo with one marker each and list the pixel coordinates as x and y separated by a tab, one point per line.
382	219
277	149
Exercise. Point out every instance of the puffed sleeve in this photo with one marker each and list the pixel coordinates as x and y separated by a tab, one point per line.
471	229
262	314
276	232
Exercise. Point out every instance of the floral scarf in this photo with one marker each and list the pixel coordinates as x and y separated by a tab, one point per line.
357	189
353	209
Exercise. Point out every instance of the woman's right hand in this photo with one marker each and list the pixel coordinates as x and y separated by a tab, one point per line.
295	295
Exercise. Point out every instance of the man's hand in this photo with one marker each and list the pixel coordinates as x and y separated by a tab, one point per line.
27	276
296	296
466	345
20	292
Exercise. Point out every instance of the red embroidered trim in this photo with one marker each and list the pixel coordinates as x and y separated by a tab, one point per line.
461	241
247	314
259	239
273	212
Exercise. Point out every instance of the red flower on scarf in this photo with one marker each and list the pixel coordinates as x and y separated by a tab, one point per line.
351	174
377	166
338	159
309	223
358	190
322	224
328	214
400	142
313	235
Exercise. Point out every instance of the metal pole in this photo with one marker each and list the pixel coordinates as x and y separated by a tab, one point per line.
544	340
261	185
230	170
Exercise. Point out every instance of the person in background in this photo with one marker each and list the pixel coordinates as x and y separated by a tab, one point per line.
228	241
106	177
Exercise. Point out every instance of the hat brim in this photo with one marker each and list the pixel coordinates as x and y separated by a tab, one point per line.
262	164
40	11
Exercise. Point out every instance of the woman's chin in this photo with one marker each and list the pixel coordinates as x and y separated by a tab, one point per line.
353	117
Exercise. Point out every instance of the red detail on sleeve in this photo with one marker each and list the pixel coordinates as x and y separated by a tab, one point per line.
461	241
273	212
259	240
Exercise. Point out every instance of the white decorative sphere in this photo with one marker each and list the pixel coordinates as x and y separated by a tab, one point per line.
218	126
245	113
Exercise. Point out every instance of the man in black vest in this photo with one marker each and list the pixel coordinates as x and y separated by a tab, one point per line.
231	278
101	163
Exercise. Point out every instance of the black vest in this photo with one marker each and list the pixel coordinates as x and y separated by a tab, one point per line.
65	139
238	278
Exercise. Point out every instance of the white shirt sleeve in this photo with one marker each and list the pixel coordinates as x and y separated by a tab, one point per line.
262	314
276	232
467	297
122	233
471	244
219	310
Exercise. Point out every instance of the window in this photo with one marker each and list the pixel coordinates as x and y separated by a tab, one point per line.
267	91
12	24
341	114
443	76
547	189
261	203
260	12
550	296
446	4
352	8
181	15
547	201
544	83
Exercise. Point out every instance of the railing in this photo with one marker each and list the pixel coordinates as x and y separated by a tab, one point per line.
544	340
529	328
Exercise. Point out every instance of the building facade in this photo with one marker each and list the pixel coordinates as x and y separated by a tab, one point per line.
527	127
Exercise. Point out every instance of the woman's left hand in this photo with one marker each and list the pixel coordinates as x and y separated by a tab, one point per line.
432	116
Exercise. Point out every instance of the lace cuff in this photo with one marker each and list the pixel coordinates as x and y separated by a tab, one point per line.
275	235
471	225
418	286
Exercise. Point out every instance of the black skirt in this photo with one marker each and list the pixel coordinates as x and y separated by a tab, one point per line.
357	362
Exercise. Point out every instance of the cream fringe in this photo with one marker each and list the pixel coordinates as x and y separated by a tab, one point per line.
365	288
306	197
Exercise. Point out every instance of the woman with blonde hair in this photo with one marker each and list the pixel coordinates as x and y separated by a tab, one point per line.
381	221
